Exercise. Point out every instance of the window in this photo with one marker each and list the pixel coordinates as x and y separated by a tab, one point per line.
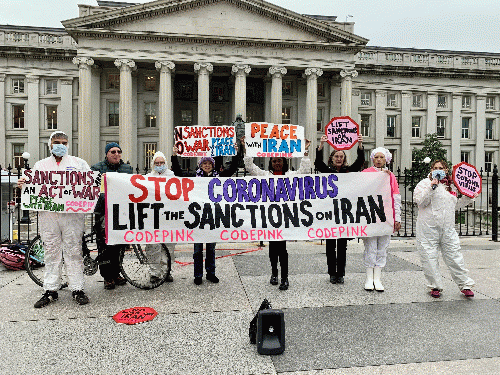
217	117
149	151
287	88
415	127
51	117
488	161
441	127
184	90
17	86
490	102
391	99
391	165
321	89
286	115
366	98
51	87
442	101
391	126
489	128
186	117
18	116
466	100
319	120
465	128
417	100
114	114
150	112
150	83
218	91
464	156
365	125
113	81
17	152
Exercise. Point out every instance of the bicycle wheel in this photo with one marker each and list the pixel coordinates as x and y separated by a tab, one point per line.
34	262
145	267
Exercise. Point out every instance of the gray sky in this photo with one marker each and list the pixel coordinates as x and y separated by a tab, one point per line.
459	25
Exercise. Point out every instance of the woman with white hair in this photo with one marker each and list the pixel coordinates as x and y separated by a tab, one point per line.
375	255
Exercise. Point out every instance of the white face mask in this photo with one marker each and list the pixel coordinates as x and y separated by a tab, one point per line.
59	150
160	168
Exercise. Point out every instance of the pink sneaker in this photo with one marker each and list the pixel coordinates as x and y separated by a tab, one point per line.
435	293
468	293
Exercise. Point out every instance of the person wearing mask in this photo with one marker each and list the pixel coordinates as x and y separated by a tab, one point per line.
61	232
337	163
277	249
376	247
436	197
110	271
206	168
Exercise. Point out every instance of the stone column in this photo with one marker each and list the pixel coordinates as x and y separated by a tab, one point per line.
96	148
311	133
380	118
277	73
431	112
406	150
165	108
127	133
240	73
480	130
32	117
65	112
203	70
456	128
346	91
84	107
3	123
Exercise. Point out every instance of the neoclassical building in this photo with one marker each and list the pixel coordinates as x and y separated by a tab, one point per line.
131	72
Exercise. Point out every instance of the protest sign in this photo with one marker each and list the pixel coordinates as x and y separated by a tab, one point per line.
264	139
202	141
150	209
135	315
60	191
467	179
342	133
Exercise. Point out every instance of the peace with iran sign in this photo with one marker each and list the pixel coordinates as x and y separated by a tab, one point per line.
342	133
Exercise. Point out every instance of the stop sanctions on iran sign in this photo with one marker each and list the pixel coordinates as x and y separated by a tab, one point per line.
342	133
467	179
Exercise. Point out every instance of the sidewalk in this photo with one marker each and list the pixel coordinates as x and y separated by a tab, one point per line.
330	329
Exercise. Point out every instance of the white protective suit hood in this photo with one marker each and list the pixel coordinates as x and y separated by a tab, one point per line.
167	171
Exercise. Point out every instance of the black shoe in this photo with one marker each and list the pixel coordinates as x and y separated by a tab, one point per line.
212	278
284	284
48	297
120	281
274	280
198	280
333	279
109	284
80	297
340	279
169	278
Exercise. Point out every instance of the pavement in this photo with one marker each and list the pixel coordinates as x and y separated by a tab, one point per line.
330	329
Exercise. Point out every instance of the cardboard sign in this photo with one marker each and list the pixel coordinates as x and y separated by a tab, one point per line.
199	141
61	191
467	179
264	139
148	209
135	315
342	133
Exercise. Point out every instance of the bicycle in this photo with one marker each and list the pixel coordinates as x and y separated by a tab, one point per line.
136	263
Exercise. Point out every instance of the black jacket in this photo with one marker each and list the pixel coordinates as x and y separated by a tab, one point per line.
228	172
357	166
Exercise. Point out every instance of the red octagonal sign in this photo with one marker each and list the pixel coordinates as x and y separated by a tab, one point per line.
467	179
135	315
342	133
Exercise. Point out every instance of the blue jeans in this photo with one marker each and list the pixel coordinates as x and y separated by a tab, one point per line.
209	259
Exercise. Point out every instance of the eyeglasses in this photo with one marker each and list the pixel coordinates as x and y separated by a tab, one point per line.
160	163
116	151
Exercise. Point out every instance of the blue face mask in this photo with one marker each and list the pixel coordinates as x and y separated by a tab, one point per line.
438	174
59	150
160	168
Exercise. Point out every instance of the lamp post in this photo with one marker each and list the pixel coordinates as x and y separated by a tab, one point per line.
26	213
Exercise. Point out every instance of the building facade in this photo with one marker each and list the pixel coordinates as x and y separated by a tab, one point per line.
130	73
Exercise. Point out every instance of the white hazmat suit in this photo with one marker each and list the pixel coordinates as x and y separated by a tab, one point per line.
436	230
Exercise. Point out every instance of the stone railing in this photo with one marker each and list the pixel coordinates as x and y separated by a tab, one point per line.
36	39
430	59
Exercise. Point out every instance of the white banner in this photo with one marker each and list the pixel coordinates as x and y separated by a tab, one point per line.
144	210
263	139
202	141
60	191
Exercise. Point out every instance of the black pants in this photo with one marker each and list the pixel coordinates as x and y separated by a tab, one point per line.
109	271
277	250
335	256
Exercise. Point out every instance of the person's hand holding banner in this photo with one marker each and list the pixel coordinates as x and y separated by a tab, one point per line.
342	133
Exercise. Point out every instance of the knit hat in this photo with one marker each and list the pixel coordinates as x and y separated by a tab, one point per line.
204	159
386	152
109	146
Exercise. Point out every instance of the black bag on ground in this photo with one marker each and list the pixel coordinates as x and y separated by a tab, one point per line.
252	331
